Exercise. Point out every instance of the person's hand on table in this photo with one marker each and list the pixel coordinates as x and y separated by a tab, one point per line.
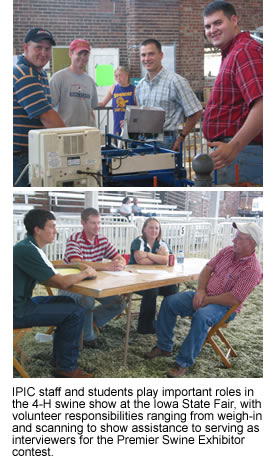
121	259
115	266
91	272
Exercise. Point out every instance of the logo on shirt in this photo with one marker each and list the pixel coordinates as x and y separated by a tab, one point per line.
121	103
77	91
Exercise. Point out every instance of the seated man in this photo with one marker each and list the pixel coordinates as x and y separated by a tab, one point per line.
227	279
31	265
125	208
137	210
90	247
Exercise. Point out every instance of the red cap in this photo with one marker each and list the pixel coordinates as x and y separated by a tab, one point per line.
79	45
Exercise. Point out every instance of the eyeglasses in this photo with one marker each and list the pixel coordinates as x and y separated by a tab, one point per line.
241	238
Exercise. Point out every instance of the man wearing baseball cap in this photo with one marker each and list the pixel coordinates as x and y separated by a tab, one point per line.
73	91
251	229
226	280
32	100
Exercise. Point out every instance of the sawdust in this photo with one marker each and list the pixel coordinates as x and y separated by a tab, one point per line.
245	333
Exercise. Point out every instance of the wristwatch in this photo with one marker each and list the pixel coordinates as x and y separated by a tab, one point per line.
182	136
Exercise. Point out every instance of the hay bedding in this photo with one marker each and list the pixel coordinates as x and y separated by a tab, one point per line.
245	333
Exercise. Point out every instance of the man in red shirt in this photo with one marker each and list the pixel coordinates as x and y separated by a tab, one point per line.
226	280
233	117
91	248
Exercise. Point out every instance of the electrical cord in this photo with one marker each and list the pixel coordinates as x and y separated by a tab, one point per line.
21	175
95	176
125	155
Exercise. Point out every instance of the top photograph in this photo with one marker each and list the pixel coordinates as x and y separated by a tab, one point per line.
131	93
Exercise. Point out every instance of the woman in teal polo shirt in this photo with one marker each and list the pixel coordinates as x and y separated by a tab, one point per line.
150	249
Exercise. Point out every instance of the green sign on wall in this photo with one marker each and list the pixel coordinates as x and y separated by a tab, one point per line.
104	75
61	58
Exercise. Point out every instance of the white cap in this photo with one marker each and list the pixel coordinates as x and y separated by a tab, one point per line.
251	229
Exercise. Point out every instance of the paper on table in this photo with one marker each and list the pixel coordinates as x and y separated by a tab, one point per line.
122	273
156	272
67	271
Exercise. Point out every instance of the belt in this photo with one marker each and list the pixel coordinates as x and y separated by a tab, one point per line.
20	153
226	139
170	133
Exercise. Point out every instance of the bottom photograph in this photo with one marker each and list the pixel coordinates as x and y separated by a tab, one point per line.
137	283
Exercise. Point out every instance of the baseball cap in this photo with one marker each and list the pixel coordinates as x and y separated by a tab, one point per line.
37	34
250	228
79	45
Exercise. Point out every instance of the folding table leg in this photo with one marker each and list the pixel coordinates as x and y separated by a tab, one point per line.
128	310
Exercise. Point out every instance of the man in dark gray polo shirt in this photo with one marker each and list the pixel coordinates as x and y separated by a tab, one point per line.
31	266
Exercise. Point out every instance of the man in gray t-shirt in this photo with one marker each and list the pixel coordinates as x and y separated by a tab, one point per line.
74	93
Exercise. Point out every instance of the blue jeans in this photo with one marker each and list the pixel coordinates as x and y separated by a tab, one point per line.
148	305
168	142
108	309
202	319
250	162
148	214
19	162
68	318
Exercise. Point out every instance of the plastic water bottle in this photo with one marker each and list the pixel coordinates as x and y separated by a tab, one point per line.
43	337
180	259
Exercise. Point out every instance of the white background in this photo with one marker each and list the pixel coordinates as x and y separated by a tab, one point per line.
260	448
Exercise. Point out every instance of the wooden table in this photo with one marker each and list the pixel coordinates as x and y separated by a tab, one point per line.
107	284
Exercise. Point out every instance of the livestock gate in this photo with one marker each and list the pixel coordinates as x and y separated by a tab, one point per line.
202	238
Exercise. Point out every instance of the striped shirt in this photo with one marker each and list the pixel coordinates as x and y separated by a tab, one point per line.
238	84
238	277
171	92
79	247
31	98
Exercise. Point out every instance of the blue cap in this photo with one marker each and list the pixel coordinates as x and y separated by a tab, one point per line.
37	34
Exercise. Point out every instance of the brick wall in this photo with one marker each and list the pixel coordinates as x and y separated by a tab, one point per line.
125	23
157	19
229	205
101	22
197	202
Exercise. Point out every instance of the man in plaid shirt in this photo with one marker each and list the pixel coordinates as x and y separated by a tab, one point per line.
233	117
170	91
226	280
